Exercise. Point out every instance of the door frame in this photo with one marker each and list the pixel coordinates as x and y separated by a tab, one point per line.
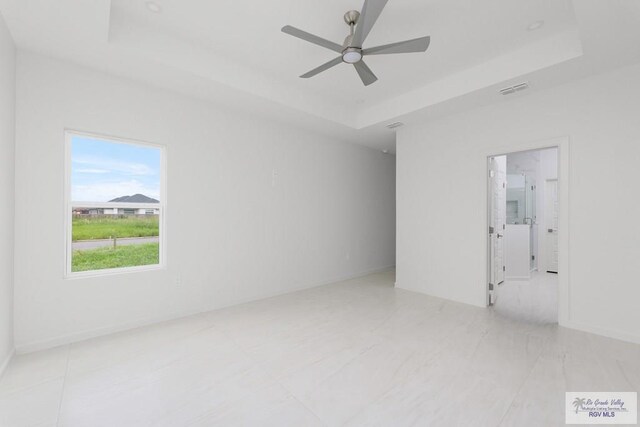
563	145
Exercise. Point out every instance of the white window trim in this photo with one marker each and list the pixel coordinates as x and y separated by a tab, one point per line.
69	205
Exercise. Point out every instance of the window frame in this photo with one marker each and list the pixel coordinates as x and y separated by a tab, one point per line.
69	206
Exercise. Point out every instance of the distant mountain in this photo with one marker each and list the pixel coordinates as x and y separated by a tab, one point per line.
136	198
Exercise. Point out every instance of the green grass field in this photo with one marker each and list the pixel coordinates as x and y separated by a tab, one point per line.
122	256
104	227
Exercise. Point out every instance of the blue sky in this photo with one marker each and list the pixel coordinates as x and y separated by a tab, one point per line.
103	170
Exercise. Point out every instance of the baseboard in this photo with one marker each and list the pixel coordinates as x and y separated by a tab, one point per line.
6	361
622	336
442	297
95	333
34	346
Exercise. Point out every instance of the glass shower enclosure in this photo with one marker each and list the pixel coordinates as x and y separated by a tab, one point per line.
521	207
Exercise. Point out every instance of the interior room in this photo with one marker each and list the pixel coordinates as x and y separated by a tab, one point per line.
325	213
523	225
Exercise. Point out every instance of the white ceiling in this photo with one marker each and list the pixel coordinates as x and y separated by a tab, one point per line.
249	34
233	52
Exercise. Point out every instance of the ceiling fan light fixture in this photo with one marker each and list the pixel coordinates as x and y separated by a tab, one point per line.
352	55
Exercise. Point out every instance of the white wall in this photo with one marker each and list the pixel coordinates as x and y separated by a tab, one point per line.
255	208
442	251
7	144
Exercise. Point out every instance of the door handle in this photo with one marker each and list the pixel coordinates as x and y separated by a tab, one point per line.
550	230
499	236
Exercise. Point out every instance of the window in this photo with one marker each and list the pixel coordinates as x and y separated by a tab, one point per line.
114	205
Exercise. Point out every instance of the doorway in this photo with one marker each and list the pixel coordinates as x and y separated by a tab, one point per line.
523	229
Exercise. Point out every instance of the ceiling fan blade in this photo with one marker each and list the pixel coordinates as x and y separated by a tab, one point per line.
322	68
408	46
369	15
365	73
295	32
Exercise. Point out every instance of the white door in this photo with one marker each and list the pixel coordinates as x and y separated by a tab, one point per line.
551	219
497	220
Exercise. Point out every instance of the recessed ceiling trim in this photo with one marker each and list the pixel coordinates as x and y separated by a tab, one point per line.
528	59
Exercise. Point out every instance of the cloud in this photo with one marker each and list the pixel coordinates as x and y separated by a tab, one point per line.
103	192
92	171
111	165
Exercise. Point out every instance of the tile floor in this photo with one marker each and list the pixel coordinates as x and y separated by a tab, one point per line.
534	300
353	353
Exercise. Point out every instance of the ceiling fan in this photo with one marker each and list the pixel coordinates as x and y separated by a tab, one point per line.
351	51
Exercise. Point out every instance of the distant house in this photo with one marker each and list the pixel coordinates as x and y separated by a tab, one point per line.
136	198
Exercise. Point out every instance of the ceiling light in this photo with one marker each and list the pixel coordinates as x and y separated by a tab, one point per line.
535	25
352	55
154	7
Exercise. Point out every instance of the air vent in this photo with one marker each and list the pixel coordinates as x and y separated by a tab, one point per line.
395	125
515	88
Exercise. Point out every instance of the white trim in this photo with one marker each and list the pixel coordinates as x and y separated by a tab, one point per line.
111	205
563	146
6	361
94	333
113	138
609	333
70	204
114	271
